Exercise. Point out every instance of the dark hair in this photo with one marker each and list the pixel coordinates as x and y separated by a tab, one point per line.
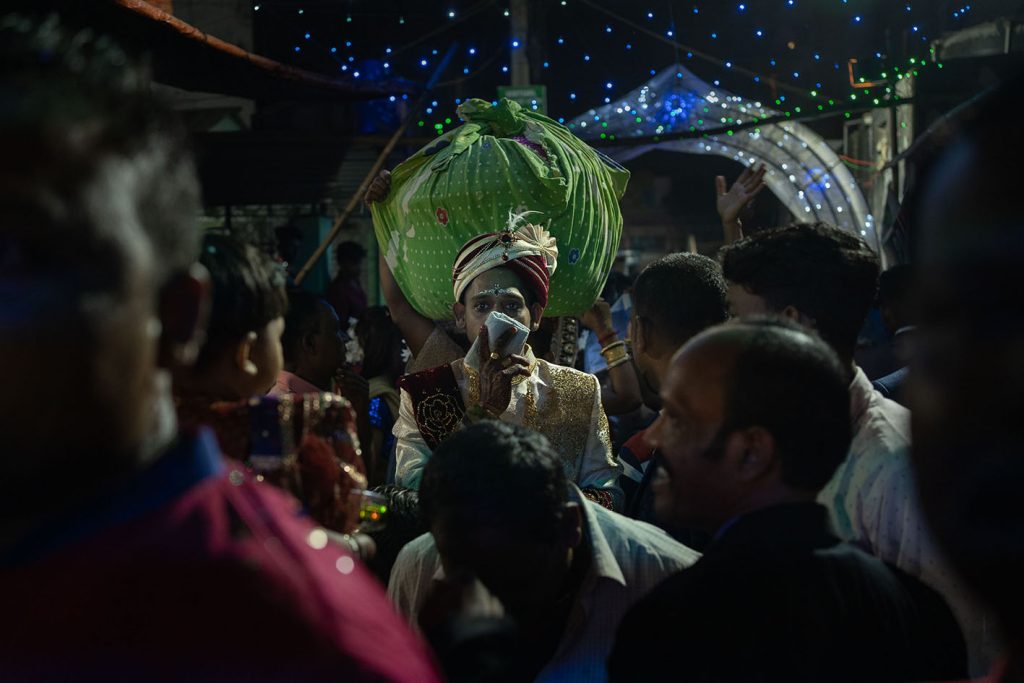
681	294
349	252
379	337
617	284
895	284
82	128
302	319
786	380
248	292
498	475
825	273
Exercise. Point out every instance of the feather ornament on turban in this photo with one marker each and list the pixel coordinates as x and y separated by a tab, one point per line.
528	250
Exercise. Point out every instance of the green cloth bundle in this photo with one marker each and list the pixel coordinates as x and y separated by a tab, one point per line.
503	158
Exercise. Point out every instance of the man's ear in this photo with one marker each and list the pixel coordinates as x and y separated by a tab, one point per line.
571	525
459	311
641	328
793	313
536	313
184	309
752	453
243	354
308	341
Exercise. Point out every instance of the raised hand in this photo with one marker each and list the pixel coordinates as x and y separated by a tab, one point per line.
598	318
379	188
496	373
731	202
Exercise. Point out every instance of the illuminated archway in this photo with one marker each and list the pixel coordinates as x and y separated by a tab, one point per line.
805	174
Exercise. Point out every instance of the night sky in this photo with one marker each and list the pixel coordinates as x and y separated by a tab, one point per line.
762	49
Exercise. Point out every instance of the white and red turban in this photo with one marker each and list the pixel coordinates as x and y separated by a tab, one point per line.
529	251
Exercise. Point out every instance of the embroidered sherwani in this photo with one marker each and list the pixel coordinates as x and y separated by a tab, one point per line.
562	403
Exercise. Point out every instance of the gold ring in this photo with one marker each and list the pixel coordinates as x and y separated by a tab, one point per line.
495	355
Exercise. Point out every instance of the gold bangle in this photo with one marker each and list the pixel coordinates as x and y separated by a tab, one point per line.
614	353
613	345
621	361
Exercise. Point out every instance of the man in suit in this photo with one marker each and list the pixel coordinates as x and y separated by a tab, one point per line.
754	421
825	279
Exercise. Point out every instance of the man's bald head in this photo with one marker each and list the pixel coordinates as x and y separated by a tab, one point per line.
753	410
777	375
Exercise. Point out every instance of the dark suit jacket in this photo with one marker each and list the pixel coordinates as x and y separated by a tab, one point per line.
891	386
777	597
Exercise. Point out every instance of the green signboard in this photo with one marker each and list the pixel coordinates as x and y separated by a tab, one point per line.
529	97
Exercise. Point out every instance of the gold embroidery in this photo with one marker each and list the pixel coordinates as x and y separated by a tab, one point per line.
472	386
566	414
564	418
438	416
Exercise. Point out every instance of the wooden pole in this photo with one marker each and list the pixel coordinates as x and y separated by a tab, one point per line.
356	198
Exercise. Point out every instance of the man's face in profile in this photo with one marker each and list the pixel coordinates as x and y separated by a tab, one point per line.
78	327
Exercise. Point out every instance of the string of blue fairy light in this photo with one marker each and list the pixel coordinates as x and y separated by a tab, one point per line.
812	102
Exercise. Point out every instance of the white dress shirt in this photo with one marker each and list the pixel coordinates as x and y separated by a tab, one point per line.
628	559
561	403
873	503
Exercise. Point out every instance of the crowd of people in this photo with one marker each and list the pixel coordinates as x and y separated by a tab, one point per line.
214	474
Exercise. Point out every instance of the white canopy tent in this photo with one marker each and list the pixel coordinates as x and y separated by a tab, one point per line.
803	171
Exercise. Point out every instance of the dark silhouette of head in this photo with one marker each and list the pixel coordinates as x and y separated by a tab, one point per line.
241	355
349	257
496	498
381	341
313	339
101	297
755	412
968	373
814	273
674	298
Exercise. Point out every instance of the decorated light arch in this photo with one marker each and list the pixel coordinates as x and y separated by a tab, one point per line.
805	174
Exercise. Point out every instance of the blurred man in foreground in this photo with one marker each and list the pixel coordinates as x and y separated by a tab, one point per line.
128	550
